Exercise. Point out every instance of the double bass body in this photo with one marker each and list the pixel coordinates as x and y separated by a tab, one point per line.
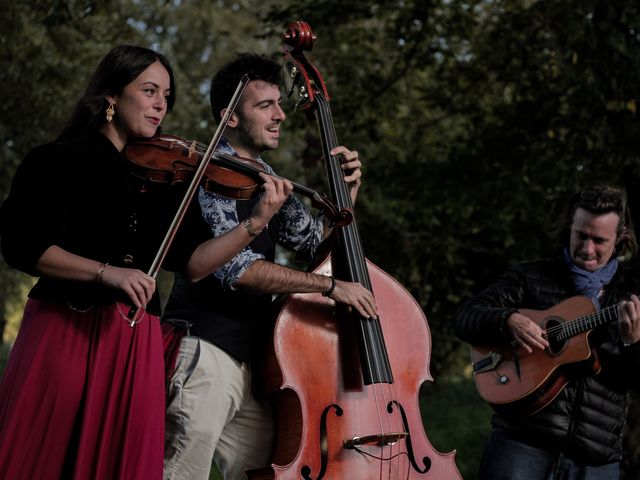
321	402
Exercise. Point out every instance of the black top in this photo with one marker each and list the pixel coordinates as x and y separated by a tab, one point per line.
81	197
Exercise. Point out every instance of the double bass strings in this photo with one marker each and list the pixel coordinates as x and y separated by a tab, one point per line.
379	372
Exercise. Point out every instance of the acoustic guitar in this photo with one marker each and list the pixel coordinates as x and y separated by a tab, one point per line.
518	383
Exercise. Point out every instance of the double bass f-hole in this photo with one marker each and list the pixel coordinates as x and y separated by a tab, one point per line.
340	410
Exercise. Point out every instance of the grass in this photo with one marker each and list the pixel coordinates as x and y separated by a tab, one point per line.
456	418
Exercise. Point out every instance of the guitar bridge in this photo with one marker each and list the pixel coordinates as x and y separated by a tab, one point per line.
488	363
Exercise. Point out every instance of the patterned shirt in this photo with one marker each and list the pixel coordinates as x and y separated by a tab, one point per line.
299	230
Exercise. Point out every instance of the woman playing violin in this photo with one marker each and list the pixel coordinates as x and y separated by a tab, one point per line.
82	395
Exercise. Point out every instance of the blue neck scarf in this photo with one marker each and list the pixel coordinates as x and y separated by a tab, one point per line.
590	283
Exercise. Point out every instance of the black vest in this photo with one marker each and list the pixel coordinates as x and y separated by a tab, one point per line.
226	318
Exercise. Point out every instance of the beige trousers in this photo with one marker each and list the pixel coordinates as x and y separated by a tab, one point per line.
212	414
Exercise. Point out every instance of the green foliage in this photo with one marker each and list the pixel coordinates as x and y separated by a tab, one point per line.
215	473
5	349
455	421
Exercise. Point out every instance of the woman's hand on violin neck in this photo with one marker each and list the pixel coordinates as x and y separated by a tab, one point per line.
356	296
275	192
136	284
351	166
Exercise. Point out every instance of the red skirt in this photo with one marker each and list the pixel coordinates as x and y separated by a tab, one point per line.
82	396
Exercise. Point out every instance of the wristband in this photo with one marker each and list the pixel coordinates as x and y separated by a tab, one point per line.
100	272
246	223
330	290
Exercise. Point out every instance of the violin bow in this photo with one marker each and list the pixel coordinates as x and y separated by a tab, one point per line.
132	316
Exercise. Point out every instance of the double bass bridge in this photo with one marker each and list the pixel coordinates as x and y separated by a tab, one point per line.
379	440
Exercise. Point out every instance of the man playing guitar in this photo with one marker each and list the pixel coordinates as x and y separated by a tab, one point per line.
577	432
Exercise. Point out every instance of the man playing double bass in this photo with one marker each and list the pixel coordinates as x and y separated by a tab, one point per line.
578	435
211	411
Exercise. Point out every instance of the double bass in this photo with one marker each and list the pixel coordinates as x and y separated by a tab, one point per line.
344	387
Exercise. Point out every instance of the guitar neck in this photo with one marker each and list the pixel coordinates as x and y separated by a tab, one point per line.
588	322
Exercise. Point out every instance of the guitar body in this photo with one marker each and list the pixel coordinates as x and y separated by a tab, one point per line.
515	382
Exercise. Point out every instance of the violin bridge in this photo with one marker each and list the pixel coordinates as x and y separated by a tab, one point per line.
192	149
379	440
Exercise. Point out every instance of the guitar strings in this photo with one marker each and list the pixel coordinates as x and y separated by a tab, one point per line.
583	323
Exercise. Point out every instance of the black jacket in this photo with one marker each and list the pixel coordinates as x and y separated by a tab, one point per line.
586	420
80	196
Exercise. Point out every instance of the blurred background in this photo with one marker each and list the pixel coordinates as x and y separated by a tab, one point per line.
474	120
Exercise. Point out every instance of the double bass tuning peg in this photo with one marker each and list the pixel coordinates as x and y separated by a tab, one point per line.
292	80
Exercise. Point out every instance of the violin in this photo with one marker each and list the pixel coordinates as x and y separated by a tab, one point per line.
168	159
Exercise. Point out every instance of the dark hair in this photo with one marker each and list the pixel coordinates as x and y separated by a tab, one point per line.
224	83
600	200
118	68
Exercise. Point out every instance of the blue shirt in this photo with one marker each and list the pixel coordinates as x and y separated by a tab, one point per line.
218	312
299	231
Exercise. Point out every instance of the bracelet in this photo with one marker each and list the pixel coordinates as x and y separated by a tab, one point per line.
100	272
330	290
246	223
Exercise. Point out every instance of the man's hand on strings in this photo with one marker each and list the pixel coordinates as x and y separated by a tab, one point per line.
526	332
356	296
629	320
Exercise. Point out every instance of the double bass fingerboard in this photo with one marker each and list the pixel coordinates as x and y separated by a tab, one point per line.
372	349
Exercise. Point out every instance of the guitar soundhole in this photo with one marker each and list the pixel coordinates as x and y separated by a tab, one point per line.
556	343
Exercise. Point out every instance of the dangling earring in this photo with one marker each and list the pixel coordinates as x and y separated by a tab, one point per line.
110	111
